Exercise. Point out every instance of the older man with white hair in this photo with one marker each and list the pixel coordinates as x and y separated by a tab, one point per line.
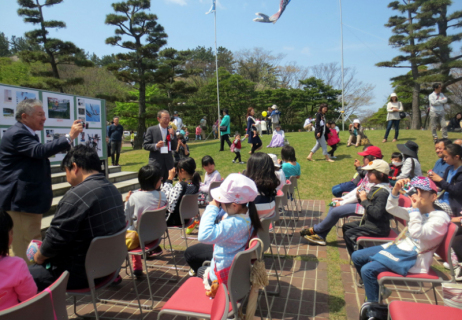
25	174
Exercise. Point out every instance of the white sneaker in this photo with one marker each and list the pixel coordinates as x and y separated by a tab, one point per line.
192	273
333	157
385	292
446	265
242	162
234	161
458	273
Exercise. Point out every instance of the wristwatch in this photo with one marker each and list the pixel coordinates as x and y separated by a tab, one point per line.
68	137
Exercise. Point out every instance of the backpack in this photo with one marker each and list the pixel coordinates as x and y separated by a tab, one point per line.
373	311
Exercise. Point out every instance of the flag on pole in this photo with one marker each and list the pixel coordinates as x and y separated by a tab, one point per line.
212	9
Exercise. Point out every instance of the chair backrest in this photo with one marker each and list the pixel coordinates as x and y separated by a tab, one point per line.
105	256
189	206
215	184
220	306
285	190
152	225
290	185
279	200
444	250
293	181
239	275
263	233
404	201
41	306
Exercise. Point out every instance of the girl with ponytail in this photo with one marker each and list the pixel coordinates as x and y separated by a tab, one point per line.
189	183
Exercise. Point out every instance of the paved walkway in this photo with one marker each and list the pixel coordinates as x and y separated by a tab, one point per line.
304	282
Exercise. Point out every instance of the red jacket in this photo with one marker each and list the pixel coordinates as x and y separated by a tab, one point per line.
332	137
237	144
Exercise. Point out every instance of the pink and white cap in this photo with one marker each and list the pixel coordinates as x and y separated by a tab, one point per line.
236	188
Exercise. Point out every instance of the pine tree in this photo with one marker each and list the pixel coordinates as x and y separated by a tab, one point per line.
56	51
406	32
435	41
4	46
136	67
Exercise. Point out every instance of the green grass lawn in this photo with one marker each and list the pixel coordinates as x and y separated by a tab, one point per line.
317	177
316	180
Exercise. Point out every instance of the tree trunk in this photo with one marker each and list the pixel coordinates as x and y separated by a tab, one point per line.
141	117
416	116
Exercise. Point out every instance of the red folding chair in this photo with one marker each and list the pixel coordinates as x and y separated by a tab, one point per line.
444	251
190	299
403	310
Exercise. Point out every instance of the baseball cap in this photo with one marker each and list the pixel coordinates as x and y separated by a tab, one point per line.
379	165
372	151
423	183
356	121
236	188
274	107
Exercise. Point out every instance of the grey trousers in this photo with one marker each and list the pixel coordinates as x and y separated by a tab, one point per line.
437	118
320	143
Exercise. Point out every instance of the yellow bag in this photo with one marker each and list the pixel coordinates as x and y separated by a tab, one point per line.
365	141
132	240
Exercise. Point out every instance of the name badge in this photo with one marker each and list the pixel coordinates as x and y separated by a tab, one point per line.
164	150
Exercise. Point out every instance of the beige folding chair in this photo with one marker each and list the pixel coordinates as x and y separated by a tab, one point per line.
213	185
189	208
152	229
292	186
280	205
264	235
287	203
44	305
103	260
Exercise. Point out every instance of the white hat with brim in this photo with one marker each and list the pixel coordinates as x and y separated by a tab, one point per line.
236	188
275	160
393	95
274	107
379	165
357	121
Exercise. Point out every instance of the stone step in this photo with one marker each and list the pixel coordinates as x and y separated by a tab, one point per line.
114	176
56	168
124	181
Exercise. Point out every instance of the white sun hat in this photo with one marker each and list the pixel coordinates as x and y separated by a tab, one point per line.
236	188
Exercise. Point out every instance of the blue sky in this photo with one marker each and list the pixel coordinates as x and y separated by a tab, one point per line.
308	32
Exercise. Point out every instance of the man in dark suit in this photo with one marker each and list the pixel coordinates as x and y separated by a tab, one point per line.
160	141
25	174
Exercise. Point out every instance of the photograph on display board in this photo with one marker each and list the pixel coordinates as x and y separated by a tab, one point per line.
54	134
93	139
9	99
91	109
59	109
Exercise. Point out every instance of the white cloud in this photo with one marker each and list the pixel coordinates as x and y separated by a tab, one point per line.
306	51
180	2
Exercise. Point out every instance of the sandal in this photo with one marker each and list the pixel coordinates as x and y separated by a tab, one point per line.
384	140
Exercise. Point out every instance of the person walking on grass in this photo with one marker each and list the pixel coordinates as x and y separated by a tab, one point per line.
437	101
394	107
320	133
225	129
252	133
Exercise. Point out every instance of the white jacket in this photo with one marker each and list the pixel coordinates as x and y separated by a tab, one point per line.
407	168
426	232
437	102
394	115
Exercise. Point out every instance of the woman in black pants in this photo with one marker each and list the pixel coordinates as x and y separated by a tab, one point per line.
224	134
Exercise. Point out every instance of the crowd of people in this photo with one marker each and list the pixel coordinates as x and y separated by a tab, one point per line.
93	207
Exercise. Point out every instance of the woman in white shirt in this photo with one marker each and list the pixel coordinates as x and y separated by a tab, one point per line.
394	107
427	226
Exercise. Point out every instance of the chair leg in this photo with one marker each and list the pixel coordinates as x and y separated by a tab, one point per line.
434	293
173	255
93	299
149	281
278	286
267	304
282	240
185	237
299	200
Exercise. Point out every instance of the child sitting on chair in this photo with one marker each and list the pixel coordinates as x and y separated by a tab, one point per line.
228	223
147	198
17	283
395	167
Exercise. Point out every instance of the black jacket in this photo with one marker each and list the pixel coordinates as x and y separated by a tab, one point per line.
153	136
25	175
320	128
376	216
454	189
94	208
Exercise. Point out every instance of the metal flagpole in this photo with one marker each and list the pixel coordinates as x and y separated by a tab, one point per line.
343	76
216	63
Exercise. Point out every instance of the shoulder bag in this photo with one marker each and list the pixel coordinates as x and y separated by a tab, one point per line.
402	114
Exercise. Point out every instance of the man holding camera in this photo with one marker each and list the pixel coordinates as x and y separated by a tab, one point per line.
160	140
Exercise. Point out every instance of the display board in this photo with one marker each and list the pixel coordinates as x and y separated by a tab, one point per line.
60	110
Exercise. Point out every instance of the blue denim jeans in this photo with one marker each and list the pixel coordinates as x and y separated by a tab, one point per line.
339	189
392	123
369	271
335	213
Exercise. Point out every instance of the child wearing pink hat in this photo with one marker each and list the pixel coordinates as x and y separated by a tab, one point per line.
228	223
427	227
